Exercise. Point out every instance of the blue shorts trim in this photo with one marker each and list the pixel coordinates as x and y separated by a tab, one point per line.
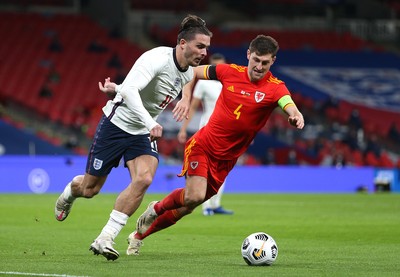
110	144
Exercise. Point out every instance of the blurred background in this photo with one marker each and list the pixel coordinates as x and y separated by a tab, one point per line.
339	58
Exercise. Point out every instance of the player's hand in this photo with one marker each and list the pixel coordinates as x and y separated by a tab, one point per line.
181	110
296	121
108	87
156	132
182	136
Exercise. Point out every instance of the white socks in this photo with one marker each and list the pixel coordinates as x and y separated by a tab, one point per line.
68	194
114	225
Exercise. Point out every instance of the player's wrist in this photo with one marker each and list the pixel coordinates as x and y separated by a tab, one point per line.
151	124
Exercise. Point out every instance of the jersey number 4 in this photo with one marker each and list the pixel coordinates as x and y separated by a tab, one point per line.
237	111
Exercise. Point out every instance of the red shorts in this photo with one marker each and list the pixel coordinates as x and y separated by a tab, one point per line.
199	163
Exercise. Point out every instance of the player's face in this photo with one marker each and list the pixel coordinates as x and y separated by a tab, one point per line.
258	66
195	51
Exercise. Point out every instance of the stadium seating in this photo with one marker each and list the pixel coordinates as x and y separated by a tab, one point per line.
26	40
76	100
171	5
288	40
50	3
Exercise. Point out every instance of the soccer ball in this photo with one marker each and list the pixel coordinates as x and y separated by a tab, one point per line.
259	249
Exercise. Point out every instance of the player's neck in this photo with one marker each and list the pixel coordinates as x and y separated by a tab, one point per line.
179	60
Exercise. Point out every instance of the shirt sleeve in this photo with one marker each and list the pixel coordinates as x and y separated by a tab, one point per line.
211	72
138	78
282	96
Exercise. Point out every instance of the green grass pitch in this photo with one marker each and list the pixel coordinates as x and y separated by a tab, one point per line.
317	235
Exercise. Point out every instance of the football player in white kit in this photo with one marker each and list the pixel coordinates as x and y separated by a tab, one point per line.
128	128
206	93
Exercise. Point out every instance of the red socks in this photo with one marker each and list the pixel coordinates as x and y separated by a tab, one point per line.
165	220
172	201
167	212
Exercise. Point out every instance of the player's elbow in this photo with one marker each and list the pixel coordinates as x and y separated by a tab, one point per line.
127	92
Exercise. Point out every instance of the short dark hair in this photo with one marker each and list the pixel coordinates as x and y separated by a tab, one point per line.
216	56
263	45
192	25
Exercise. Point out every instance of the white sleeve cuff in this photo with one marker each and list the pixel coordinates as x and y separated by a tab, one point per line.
117	88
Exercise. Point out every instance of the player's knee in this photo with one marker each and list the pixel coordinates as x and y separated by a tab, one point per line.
192	201
144	179
91	188
90	192
76	185
77	180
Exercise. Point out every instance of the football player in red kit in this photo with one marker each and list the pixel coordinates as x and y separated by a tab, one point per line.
248	97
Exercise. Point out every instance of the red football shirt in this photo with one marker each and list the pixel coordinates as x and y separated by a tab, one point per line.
242	109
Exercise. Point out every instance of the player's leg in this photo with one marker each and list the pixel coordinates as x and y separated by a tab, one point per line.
167	219
207	207
195	169
85	186
212	204
180	202
183	201
109	146
216	203
190	197
165	213
142	160
81	186
216	199
142	170
104	155
102	245
177	205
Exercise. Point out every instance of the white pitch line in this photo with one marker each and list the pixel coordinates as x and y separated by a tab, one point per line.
37	274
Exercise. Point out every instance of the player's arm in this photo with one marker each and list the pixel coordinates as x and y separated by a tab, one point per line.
203	72
137	79
295	118
182	108
200	72
182	134
129	91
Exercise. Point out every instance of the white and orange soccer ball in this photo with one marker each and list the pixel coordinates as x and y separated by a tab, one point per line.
259	249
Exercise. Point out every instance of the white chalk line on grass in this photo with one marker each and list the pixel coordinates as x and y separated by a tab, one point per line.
37	274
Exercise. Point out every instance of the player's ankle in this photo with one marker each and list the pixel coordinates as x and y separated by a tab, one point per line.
158	209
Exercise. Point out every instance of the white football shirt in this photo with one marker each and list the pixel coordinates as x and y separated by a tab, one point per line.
207	91
158	79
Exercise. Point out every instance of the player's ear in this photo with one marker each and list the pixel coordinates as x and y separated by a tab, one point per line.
182	43
273	60
248	54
